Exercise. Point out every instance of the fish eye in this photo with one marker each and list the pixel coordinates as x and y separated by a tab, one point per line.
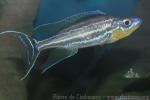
127	22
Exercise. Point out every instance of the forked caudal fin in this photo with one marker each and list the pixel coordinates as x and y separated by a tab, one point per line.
31	52
57	54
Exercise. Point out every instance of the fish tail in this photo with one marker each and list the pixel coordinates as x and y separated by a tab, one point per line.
30	51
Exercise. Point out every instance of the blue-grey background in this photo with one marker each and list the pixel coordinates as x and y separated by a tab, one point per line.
82	73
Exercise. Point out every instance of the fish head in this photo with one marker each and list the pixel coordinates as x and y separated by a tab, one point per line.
123	27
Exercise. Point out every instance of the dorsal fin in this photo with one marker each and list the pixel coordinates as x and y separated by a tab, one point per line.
51	29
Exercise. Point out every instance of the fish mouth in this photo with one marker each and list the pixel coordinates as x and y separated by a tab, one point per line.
137	21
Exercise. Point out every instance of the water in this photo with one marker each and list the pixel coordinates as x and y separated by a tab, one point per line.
83	72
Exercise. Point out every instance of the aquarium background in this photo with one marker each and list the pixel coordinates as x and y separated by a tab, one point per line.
82	73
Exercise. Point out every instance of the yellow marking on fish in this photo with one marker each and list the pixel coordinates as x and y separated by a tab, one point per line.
119	34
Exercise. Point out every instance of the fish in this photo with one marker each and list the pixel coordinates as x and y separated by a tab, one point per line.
87	29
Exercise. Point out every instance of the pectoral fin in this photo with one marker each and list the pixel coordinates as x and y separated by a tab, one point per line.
57	55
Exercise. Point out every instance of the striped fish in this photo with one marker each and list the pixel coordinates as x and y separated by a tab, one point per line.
82	30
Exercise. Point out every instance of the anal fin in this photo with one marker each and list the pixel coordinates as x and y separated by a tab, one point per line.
57	55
